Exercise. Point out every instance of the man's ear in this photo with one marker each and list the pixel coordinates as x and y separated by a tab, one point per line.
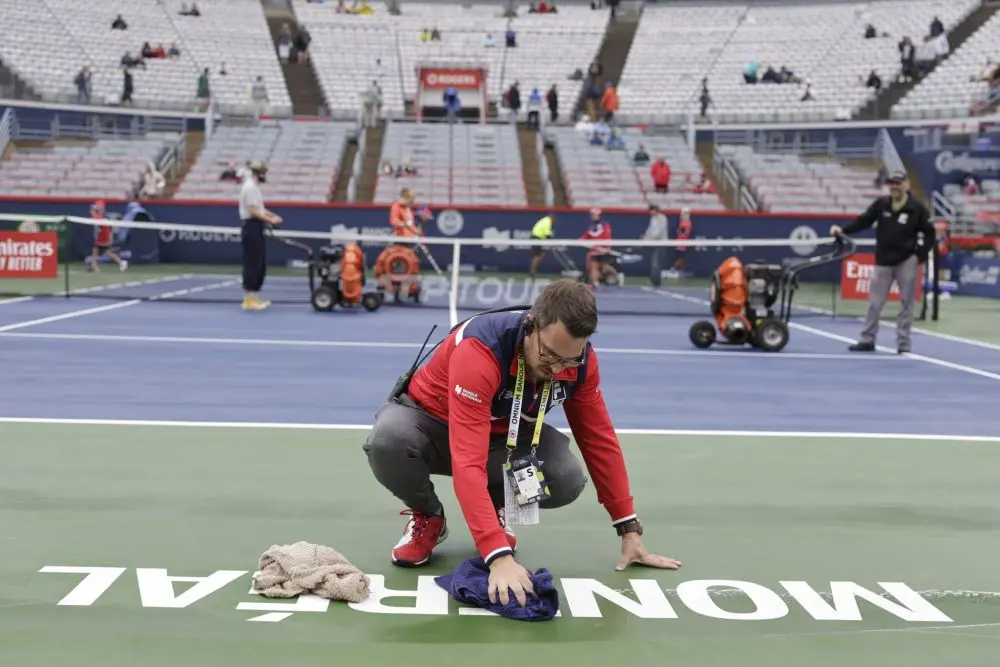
529	325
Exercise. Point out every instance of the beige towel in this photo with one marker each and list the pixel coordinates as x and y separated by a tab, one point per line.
291	570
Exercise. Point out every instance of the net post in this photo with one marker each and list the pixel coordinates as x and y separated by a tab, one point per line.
936	281
456	258
64	234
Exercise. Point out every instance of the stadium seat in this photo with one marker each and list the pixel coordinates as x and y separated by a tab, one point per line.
460	164
824	44
109	168
596	176
791	183
951	90
233	32
303	160
345	48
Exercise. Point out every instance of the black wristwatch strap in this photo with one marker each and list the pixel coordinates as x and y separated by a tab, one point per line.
630	526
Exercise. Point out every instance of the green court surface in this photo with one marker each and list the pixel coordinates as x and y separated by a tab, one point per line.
767	528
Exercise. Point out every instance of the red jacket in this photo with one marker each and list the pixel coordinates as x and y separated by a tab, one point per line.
660	172
462	385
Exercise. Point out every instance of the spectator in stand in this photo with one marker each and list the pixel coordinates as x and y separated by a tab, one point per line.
750	72
490	41
969	185
83	86
660	173
174	52
119	23
641	157
874	81
937	28
230	174
258	93
204	92
153	182
301	41
435	34
159	51
194	11
926	56
907	57
514	101
372	103
147	51
129	61
552	99
705	98
808	95
705	185
284	43
534	108
510	37
127	88
452	104
609	102
770	75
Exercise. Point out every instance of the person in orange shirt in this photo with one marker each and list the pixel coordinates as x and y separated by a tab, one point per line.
401	215
609	102
399	262
103	243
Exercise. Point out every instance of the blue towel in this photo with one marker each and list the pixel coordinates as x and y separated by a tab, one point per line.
469	584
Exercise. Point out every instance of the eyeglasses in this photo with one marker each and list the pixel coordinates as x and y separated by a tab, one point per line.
546	355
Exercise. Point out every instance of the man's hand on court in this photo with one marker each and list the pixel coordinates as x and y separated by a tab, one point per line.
835	230
633	552
276	219
508	576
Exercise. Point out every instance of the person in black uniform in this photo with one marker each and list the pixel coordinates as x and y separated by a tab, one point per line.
904	237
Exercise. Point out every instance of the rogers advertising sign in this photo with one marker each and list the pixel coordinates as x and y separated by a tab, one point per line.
439	79
29	254
856	274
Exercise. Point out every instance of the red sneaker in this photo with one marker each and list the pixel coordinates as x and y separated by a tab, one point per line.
420	535
511	537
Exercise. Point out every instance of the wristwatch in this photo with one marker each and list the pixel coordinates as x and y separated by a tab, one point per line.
630	526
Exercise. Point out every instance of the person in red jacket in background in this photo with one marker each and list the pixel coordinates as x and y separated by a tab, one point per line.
102	240
599	259
660	173
483	399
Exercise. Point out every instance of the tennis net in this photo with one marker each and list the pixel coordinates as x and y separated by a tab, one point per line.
195	263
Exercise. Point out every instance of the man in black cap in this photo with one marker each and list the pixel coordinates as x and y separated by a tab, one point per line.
904	237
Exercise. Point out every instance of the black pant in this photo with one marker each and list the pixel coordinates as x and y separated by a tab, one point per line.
254	255
407	445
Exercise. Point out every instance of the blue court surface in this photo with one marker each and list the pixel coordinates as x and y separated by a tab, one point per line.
208	362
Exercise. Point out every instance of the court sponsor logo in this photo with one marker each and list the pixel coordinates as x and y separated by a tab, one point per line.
977	275
720	599
29	254
804	240
192	236
342	233
947	162
450	222
497	234
484	293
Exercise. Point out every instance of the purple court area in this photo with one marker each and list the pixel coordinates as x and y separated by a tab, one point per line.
119	360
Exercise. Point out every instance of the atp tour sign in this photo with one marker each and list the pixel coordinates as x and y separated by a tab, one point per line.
579	597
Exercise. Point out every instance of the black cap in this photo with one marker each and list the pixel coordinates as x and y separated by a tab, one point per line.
897	177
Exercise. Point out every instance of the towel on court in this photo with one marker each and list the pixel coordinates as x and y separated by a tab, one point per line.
302	568
469	583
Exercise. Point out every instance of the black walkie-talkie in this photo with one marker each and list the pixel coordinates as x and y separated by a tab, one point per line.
403	383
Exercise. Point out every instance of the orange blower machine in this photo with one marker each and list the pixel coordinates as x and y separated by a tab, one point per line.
742	298
341	270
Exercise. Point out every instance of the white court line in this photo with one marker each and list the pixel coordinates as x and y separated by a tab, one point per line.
113	306
16	299
292	426
917	357
832	336
372	344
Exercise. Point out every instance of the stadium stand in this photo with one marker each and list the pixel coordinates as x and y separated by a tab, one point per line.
783	183
302	158
959	82
478	165
110	168
824	45
596	176
229	32
345	48
985	200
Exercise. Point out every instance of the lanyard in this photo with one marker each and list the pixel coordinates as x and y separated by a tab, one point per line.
515	411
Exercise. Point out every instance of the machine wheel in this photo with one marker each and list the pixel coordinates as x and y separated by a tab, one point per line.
702	334
324	298
371	301
771	335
